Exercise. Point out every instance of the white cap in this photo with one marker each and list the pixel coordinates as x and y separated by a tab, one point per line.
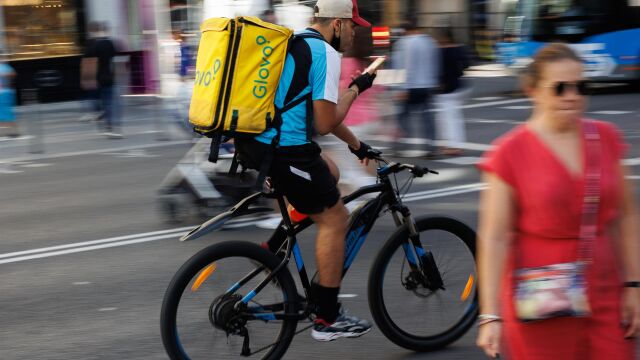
344	9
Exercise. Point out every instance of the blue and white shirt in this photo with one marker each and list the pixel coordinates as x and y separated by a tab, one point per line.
312	66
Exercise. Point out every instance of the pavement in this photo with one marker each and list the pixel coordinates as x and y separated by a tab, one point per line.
86	257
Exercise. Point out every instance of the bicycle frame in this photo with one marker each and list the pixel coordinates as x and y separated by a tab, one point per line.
361	221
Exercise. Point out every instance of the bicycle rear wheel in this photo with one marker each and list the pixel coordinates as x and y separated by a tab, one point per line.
200	316
404	308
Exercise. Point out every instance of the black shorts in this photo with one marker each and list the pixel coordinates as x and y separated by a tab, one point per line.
297	172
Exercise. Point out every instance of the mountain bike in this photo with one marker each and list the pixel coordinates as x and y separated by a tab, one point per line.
236	298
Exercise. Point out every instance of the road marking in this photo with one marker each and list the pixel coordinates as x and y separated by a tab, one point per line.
36	165
517	107
494	103
631	162
462	160
8	169
108	309
610	112
132	153
50	251
633	177
97	151
488	98
78	283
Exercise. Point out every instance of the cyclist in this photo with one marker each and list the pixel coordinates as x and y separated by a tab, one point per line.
306	177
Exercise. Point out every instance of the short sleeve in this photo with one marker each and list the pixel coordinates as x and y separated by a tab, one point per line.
325	74
497	161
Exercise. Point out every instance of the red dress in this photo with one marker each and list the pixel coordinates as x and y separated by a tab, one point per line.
546	230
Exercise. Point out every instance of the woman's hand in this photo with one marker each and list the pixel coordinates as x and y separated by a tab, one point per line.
631	311
489	339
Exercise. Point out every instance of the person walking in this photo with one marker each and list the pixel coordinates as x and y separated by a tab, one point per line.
450	119
415	53
8	99
104	50
558	204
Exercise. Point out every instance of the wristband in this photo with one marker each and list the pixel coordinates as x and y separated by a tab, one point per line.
354	90
632	284
492	317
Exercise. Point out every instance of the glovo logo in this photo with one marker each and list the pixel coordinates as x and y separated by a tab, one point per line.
205	77
260	87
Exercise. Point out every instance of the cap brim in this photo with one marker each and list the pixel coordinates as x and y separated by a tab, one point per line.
361	22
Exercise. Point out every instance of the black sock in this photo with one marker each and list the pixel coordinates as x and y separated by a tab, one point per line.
327	300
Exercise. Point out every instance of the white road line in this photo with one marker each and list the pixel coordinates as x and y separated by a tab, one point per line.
494	103
95	242
517	107
96	151
488	98
610	112
631	162
50	251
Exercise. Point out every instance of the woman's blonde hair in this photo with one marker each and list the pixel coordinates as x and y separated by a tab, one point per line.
549	53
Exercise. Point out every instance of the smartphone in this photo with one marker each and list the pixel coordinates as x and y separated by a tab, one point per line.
375	65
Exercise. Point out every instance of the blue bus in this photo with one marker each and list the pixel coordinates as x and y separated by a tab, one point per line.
606	34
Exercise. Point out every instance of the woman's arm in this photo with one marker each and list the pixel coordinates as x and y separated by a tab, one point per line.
494	236
630	253
629	228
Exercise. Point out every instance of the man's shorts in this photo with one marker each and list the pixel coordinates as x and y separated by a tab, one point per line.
297	172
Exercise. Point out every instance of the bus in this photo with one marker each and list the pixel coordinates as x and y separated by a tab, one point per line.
606	35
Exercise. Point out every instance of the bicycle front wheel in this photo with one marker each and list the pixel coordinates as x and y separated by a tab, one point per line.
204	313
406	306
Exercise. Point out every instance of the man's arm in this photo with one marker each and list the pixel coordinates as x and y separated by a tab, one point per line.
328	116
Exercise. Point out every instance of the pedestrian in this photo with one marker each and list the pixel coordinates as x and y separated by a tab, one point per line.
103	49
558	204
88	76
452	91
8	99
415	53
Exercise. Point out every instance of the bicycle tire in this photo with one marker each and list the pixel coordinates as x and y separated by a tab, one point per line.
377	305
214	253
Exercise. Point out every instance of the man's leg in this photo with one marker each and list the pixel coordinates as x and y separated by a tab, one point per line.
428	120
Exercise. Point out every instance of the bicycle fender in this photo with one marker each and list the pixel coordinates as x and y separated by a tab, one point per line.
240	209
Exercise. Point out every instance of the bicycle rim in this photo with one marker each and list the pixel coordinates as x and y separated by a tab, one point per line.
409	313
196	313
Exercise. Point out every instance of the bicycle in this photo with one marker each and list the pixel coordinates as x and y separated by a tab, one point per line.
264	301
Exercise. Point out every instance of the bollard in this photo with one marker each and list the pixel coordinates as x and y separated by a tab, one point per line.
34	126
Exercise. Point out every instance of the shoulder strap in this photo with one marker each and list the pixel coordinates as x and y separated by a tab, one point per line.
591	202
309	35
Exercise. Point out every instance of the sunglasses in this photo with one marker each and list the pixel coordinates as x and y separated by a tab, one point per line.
580	87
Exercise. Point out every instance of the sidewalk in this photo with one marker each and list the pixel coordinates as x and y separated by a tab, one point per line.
58	128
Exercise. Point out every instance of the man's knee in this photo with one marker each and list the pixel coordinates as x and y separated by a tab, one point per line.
335	217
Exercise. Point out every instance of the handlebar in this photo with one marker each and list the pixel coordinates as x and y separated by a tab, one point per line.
394	167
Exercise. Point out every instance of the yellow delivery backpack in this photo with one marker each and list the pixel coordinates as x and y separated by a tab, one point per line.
237	73
238	69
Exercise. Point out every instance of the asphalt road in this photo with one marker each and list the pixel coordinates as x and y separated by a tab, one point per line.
85	257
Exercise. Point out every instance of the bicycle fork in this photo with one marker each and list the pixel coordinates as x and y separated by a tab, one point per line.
424	270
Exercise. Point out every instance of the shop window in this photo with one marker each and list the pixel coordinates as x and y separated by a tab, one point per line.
40	28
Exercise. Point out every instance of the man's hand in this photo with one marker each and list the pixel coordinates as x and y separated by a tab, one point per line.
365	152
363	81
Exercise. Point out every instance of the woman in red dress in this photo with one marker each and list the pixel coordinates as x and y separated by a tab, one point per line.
531	216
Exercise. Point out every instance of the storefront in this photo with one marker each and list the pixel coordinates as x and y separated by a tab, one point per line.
43	42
